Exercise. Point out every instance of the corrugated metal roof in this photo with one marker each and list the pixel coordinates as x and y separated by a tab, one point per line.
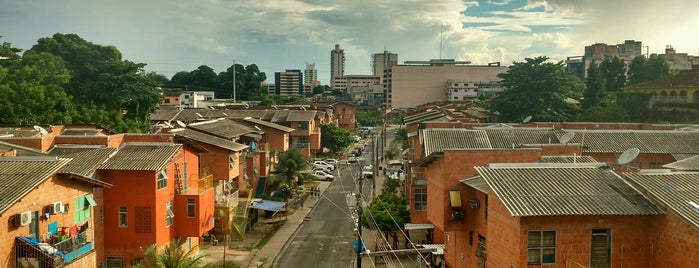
80	132
268	124
20	175
567	159
86	159
501	138
678	191
648	141
142	156
549	189
691	163
165	114
19	132
209	139
20	150
223	128
439	139
421	117
477	182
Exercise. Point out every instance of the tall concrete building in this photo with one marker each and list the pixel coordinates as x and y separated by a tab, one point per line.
288	83
381	61
337	63
418	82
600	51
310	75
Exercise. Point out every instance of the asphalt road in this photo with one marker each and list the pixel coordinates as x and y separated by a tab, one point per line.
326	237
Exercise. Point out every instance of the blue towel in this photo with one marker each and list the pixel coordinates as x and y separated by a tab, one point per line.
53	228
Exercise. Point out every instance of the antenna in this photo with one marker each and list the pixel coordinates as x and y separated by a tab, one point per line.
628	156
567	137
441	30
41	130
180	123
527	119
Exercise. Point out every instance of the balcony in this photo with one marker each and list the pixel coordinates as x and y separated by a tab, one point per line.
30	253
204	184
194	208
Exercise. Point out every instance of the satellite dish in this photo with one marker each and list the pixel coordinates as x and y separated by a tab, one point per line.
199	115
527	119
180	123
567	137
628	156
41	130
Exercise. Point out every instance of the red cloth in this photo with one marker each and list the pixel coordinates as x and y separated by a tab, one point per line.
73	230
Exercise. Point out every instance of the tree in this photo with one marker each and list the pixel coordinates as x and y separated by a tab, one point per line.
614	72
33	91
607	113
248	82
334	138
8	54
369	118
288	168
595	87
642	70
173	256
534	88
389	212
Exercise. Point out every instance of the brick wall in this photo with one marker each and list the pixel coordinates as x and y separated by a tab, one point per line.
675	242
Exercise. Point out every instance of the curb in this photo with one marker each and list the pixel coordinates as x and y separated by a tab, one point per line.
296	230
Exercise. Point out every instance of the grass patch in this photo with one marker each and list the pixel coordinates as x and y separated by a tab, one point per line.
269	236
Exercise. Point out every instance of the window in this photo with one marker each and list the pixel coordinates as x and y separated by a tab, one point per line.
231	161
143	220
162	179
81	209
191	208
303	126
169	216
123	217
304	139
655	165
541	247
101	215
114	262
420	199
167	100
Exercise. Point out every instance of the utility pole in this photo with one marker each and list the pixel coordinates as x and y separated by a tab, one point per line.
375	155
360	240
234	82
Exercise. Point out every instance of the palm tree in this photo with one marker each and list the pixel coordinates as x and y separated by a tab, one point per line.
173	256
289	167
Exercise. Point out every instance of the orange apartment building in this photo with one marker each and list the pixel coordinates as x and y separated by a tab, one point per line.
168	198
444	160
47	213
343	113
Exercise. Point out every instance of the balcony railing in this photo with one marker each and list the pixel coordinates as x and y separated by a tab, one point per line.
30	253
204	184
302	145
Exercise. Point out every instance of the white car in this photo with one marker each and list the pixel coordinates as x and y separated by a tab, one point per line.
323	164
322	175
324	169
352	159
332	161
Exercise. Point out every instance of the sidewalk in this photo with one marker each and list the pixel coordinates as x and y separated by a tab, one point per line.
265	256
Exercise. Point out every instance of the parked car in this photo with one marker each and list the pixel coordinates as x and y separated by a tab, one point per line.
357	138
324	169
322	175
352	159
320	163
332	161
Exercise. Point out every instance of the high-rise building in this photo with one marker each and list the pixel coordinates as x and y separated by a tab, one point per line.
288	83
337	63
382	61
310	75
600	51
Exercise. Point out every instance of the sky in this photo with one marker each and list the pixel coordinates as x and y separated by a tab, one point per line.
180	35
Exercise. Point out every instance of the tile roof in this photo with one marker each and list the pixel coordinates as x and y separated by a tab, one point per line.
209	139
682	80
223	128
268	124
21	175
549	189
142	156
677	191
691	163
86	159
648	141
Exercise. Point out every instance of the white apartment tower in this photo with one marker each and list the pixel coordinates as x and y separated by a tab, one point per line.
337	63
310	75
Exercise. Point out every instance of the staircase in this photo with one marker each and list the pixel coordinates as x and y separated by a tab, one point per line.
240	216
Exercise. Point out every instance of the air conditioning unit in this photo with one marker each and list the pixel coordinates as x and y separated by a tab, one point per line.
24	218
56	207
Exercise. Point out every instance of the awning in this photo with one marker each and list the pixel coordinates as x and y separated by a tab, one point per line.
438	248
268	205
418	226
